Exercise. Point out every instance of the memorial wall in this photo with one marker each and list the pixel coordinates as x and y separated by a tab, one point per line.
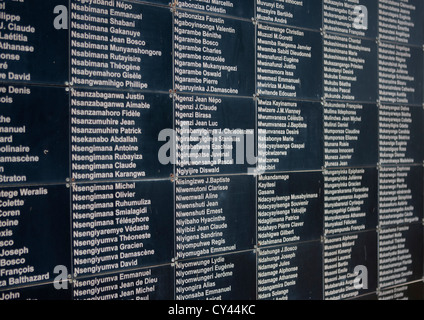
227	150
